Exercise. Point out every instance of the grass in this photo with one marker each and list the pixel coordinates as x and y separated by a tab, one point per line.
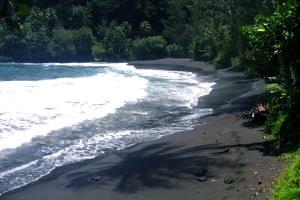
288	186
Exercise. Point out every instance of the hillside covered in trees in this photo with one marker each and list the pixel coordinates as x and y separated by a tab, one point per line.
59	30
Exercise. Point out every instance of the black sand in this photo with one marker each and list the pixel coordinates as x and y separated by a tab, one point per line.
224	158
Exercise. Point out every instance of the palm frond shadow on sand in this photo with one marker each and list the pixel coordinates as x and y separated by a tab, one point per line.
157	165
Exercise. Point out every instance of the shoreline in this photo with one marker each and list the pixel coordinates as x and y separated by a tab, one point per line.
156	168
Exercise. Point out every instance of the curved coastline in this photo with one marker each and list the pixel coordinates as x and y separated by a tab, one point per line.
141	171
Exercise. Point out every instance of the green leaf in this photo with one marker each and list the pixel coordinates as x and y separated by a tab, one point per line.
275	88
23	9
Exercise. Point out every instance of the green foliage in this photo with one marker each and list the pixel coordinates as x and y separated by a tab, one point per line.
12	47
63	47
83	40
116	44
276	40
283	120
206	30
38	43
276	89
236	62
152	47
127	28
175	51
98	50
80	17
179	28
145	28
198	52
288	186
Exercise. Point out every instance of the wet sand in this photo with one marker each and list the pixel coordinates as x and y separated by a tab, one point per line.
225	157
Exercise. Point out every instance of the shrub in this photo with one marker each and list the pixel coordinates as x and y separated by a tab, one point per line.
145	28
282	123
236	62
198	53
175	51
288	186
98	51
152	47
83	40
116	45
63	46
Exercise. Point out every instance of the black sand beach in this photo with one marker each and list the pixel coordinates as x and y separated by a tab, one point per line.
225	157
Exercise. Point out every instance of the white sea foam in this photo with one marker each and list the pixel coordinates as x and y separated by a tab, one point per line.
35	108
81	64
182	88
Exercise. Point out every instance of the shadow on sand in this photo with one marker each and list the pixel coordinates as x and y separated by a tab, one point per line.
162	165
157	165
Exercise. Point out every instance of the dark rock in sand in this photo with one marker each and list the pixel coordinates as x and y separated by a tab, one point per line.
96	178
228	180
221	152
201	179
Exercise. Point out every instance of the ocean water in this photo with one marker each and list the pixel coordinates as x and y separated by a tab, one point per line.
53	114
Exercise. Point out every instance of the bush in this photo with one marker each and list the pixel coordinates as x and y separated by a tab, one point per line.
288	186
63	47
198	53
283	124
236	62
98	50
152	47
145	28
83	40
175	51
116	45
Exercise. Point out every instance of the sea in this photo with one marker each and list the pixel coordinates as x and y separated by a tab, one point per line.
55	114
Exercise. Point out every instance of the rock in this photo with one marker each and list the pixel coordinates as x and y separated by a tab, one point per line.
228	180
96	178
223	151
201	179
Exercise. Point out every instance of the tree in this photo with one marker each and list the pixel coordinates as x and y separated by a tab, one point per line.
98	50
277	39
145	28
80	17
116	44
63	47
83	40
152	47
